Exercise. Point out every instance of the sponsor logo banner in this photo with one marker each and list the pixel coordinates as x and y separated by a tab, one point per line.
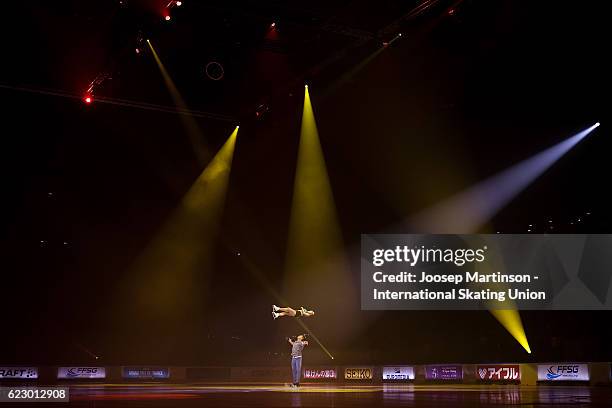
81	372
21	373
444	372
320	374
398	373
146	372
498	372
358	373
563	372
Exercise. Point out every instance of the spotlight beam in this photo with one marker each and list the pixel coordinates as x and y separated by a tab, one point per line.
511	320
174	93
314	231
193	130
167	279
316	270
469	210
472	208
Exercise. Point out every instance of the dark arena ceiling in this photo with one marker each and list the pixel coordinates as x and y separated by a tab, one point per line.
264	48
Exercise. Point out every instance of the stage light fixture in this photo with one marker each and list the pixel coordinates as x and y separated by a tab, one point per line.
261	110
179	3
167	17
94	85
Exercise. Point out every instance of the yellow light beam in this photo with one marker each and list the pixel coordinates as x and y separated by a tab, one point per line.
316	271
506	314
193	130
167	280
314	232
174	93
511	320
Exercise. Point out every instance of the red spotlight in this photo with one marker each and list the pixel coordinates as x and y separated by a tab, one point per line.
88	99
179	3
167	17
272	32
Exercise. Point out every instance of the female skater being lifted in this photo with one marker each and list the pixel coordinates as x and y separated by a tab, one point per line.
287	311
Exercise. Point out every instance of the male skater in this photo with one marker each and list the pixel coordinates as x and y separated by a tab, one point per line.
296	358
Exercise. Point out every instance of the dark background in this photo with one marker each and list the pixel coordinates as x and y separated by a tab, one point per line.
459	97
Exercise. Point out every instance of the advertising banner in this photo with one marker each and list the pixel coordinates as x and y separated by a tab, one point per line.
358	373
452	372
320	373
563	372
399	373
67	373
18	373
498	372
146	372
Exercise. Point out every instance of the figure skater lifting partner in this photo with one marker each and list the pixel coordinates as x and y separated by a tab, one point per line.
287	311
296	359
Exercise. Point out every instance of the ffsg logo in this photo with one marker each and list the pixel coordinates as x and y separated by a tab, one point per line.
567	369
